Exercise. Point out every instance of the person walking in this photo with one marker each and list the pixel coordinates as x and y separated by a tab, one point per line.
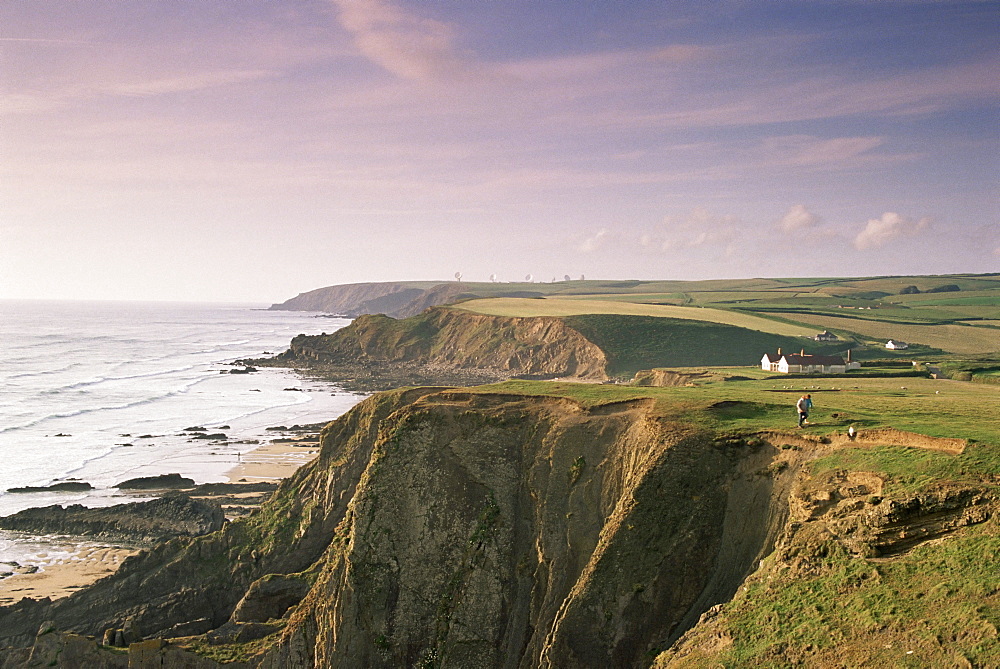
804	404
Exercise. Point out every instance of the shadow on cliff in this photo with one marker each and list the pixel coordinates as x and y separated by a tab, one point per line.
449	528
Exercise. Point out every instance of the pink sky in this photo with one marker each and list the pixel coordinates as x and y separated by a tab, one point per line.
249	151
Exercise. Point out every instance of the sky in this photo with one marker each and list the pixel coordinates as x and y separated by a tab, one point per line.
215	150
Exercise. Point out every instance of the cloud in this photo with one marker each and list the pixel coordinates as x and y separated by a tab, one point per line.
798	218
891	225
804	150
187	83
699	229
594	242
410	46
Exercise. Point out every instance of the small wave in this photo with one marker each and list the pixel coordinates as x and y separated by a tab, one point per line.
97	409
46	372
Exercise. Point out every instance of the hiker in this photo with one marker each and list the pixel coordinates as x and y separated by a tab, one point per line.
804	404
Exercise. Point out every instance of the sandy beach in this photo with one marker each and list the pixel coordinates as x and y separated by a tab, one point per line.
274	461
65	571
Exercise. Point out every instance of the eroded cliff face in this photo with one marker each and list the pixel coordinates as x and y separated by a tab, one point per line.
448	338
496	531
448	528
457	528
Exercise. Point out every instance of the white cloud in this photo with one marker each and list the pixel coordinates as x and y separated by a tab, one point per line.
798	218
594	242
891	225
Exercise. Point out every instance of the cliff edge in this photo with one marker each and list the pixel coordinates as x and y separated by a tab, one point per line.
472	528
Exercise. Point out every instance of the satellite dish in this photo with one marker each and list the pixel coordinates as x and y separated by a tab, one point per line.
458	276
493	278
566	278
581	277
528	278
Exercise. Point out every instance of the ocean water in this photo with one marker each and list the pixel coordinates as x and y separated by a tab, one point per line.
102	391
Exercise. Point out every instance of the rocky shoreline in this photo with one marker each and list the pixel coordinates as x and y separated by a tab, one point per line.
79	545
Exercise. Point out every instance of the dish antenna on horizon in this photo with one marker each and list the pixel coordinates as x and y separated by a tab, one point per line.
458	276
528	278
493	278
566	278
581	277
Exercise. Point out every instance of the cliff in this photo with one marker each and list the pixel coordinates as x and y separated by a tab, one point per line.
443	339
465	528
398	300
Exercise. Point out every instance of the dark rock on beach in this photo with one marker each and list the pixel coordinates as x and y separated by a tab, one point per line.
152	521
156	482
62	486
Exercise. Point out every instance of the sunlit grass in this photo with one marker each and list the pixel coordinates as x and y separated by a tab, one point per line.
525	307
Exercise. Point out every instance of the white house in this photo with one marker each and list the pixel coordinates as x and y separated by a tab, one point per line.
803	363
896	345
826	335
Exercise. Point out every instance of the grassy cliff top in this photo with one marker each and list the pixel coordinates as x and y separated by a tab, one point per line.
937	408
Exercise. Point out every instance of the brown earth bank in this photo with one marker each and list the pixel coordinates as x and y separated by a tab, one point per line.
440	527
445	347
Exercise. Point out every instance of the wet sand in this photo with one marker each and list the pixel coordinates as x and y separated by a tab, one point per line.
273	462
64	574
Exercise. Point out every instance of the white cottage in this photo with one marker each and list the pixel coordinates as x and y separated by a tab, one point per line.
804	363
893	345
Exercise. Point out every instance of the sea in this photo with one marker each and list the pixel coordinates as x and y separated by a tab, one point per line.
103	392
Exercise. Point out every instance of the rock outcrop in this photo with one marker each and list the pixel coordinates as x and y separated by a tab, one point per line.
152	521
447	342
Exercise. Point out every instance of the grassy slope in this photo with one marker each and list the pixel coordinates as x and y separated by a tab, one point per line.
937	605
966	339
640	342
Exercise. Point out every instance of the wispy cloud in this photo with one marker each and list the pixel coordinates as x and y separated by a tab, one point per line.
890	226
407	44
699	228
186	83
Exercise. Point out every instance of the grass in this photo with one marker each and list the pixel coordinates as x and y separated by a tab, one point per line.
936	606
522	307
641	342
953	338
937	408
910	469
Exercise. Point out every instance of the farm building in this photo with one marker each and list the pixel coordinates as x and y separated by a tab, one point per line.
826	335
804	363
894	345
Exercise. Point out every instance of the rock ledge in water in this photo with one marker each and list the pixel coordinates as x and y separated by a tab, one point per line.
156	482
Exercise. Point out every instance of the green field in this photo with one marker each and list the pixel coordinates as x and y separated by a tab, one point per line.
865	311
938	408
522	307
953	338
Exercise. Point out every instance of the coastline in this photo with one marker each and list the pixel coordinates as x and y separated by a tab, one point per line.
74	563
